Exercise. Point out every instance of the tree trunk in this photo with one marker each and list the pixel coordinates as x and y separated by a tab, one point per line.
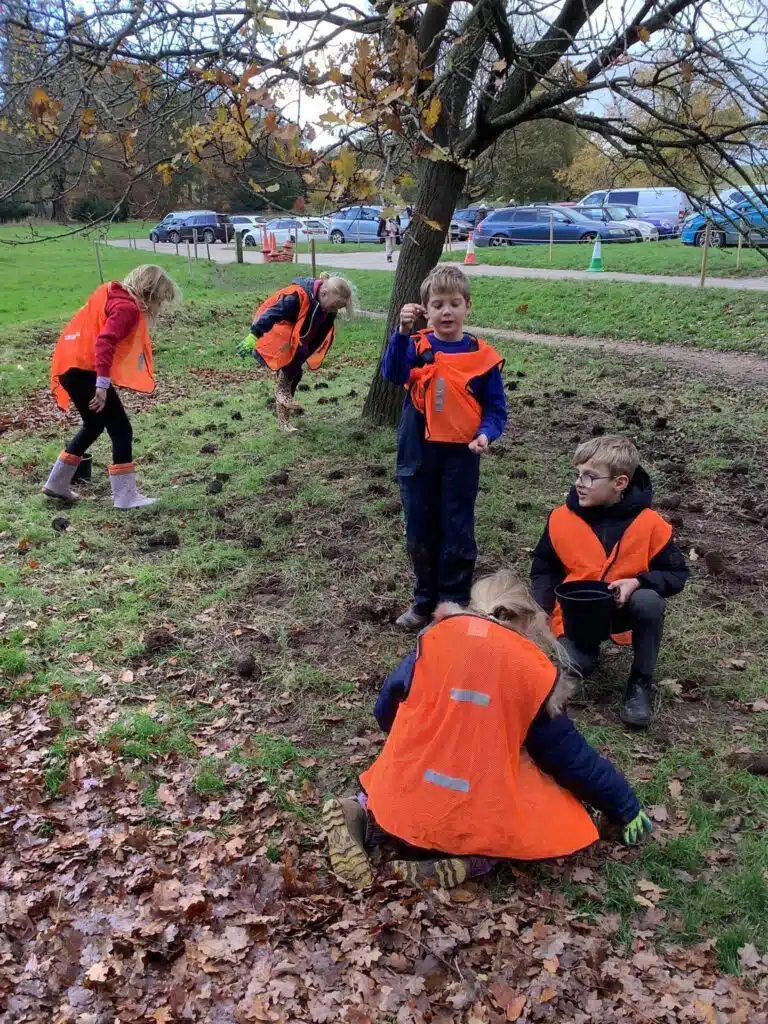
440	184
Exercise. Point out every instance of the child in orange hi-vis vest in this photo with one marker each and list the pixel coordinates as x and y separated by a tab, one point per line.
608	532
107	346
481	762
295	326
454	409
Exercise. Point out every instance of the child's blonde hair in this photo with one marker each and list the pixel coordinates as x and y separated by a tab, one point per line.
342	289
152	286
618	454
445	280
508	601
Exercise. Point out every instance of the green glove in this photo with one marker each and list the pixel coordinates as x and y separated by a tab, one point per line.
246	346
636	829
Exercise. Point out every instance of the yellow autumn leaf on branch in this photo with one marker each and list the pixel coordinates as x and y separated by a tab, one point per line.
39	103
87	122
273	188
255	186
344	165
643	33
580	77
431	114
435	225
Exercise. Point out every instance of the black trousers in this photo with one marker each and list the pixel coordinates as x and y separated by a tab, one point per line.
80	385
439	504
644	615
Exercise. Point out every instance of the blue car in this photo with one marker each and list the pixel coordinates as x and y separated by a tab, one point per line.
748	219
523	225
359	224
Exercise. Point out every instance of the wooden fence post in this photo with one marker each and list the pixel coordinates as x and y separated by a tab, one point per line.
239	246
705	254
314	257
189	261
738	251
194	240
551	235
98	261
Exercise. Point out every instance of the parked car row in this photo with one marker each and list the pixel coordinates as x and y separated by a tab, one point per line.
614	215
182	225
523	225
287	229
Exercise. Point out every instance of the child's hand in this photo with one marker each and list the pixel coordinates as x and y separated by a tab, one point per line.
479	445
409	314
99	400
245	347
636	829
623	590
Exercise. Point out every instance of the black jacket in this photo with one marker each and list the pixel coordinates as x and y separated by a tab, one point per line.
667	573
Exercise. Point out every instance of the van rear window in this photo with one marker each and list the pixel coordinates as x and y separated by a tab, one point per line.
629	198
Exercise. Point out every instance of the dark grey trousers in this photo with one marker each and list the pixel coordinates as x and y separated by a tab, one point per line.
644	615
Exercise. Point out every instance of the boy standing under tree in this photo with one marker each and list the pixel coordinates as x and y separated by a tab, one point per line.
607	531
454	409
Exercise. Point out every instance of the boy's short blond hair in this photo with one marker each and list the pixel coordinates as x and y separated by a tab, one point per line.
445	280
618	454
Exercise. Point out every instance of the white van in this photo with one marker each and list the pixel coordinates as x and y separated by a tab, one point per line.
654	202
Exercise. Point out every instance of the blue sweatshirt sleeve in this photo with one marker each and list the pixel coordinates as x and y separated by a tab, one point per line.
286	308
395	689
489	390
560	750
399	359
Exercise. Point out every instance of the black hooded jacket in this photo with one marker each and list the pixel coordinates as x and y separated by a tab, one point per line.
667	573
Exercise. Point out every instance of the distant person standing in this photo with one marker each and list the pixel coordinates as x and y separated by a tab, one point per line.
391	235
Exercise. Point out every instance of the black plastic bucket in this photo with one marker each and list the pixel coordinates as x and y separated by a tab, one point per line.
83	471
587	607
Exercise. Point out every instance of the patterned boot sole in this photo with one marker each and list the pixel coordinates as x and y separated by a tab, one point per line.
432	874
348	859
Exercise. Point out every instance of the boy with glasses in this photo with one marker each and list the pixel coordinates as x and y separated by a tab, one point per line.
607	530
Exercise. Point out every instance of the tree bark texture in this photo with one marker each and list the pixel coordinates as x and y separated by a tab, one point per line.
440	185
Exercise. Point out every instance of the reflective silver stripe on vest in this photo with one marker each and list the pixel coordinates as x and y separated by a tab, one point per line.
471	697
439	394
446	781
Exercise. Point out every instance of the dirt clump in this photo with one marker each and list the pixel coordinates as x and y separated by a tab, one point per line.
214	487
165	539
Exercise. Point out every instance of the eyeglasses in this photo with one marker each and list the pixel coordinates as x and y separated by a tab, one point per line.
589	479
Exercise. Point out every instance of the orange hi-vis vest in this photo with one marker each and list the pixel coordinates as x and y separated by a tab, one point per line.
440	389
132	362
278	346
583	556
453	775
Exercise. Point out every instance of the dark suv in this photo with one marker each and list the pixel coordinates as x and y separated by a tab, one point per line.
181	226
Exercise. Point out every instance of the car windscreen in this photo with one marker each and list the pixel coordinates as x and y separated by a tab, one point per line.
575	215
620	213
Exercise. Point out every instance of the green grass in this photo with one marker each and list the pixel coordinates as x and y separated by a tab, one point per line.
713	318
666	258
314	603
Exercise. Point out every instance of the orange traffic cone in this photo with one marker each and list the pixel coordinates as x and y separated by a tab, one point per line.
470	260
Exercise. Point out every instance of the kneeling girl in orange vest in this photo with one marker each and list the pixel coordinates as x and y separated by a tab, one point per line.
106	345
295	326
481	761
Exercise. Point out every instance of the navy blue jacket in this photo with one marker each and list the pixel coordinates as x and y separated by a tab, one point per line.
400	358
554	744
287	308
667	572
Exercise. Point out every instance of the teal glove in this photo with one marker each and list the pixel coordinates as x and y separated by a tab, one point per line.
636	829
246	346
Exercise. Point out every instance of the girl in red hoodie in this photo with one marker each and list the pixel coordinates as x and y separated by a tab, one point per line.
107	345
